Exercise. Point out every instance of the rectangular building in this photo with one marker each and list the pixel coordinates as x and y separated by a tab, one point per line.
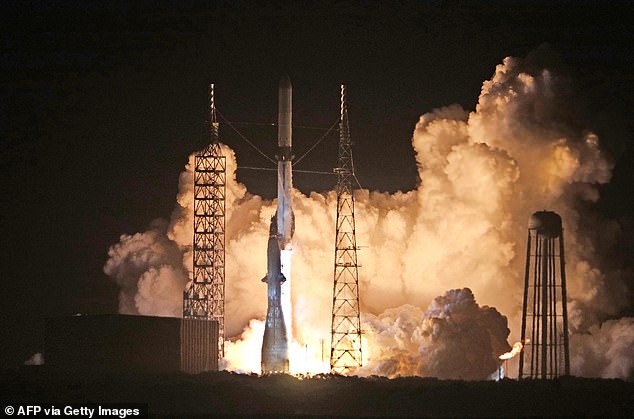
125	343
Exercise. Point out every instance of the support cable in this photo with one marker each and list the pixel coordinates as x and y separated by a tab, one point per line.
270	169
296	162
357	180
245	138
274	124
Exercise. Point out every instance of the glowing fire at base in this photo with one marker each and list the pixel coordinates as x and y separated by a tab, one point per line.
305	358
517	348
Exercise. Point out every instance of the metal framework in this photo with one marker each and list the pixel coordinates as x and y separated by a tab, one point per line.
544	313
345	353
204	297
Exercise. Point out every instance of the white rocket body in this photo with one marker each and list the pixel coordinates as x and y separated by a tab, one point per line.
277	331
285	218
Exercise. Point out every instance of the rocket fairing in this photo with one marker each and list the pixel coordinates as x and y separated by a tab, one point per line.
275	341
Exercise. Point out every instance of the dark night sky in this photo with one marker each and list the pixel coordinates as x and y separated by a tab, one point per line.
101	103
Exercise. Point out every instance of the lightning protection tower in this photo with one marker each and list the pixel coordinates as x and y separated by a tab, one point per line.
204	297
345	353
544	313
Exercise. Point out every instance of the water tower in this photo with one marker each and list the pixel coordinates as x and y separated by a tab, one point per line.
544	313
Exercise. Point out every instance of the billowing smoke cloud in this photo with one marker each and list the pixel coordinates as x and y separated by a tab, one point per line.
36	359
481	176
605	351
455	338
149	269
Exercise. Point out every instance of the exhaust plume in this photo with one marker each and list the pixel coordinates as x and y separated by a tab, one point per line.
481	174
149	269
454	339
606	350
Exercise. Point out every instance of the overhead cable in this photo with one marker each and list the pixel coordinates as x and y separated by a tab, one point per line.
245	138
296	161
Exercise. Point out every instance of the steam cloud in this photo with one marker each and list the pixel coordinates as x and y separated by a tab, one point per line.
454	338
481	175
36	359
149	269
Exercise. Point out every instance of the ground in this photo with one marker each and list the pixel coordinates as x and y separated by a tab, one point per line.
225	394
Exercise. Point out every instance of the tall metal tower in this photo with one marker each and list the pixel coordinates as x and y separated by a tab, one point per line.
204	298
544	314
345	352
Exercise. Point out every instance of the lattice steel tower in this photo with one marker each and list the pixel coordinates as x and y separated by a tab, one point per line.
345	353
204	297
544	313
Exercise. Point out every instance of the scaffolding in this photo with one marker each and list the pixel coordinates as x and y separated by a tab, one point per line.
345	353
544	313
204	297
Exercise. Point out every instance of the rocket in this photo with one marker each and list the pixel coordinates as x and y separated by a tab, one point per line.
285	217
275	340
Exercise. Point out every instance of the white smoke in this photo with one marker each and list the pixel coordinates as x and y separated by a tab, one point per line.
607	350
36	359
244	349
149	269
481	176
454	339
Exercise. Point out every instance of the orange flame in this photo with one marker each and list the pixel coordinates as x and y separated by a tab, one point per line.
517	348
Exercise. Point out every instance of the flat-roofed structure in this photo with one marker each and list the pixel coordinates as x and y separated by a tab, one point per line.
125	343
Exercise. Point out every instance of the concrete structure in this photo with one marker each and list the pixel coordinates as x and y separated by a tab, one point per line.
124	343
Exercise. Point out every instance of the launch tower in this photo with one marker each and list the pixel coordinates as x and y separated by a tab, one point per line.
544	314
204	297
345	352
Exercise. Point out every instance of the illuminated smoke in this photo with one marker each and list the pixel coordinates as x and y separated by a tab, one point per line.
481	175
454	339
242	352
149	269
36	359
605	351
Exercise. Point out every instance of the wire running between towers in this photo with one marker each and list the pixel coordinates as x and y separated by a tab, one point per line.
297	161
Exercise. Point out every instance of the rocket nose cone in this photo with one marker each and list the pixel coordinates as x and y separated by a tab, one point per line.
285	82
